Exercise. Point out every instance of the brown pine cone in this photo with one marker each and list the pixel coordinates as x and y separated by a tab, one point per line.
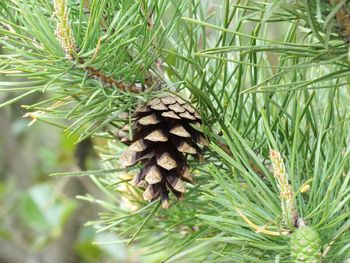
163	134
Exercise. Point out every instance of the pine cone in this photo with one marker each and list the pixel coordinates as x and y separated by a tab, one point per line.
306	245
162	137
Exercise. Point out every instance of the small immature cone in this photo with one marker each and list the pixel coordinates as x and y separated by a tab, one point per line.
306	245
163	136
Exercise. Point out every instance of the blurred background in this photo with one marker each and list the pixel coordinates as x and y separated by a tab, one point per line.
41	221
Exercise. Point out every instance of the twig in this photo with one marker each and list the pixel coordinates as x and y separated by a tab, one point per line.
112	82
68	44
343	18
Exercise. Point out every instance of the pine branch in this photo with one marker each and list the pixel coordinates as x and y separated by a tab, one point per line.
65	37
254	90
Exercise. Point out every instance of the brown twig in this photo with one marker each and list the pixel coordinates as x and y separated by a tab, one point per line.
343	18
68	44
112	82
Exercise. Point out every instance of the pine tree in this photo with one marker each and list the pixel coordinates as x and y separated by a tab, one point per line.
269	80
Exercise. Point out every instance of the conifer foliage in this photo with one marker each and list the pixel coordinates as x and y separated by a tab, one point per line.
264	82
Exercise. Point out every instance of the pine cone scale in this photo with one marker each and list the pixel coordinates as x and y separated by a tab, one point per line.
185	147
149	119
176	182
170	114
139	145
179	130
166	161
168	100
177	108
185	174
157	136
153	175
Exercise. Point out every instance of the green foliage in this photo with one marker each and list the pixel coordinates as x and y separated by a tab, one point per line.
46	216
264	75
126	51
